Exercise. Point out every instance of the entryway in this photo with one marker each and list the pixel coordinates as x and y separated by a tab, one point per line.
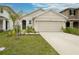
72	24
23	24
4	24
76	24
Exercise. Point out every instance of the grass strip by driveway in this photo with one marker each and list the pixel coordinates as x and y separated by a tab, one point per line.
32	44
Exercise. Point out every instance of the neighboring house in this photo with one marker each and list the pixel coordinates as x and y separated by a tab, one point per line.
42	20
6	22
73	17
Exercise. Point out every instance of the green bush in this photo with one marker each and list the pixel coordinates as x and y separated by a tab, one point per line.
71	30
30	30
15	31
11	32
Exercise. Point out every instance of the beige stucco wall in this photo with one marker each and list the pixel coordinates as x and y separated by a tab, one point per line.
27	19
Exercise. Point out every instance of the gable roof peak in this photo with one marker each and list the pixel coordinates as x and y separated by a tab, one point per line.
35	10
38	9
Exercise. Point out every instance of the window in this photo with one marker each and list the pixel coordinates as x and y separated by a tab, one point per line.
29	21
72	11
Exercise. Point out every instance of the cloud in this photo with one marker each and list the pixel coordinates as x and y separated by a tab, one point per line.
56	6
27	8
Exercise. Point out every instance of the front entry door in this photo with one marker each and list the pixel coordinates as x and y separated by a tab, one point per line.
24	24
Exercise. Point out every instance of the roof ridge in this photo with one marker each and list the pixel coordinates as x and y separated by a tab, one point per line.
33	12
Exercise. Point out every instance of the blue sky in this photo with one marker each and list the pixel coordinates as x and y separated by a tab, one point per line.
20	7
29	7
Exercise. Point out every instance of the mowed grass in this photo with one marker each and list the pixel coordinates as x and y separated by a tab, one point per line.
32	44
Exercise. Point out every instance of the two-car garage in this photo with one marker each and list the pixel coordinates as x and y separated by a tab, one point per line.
48	26
49	21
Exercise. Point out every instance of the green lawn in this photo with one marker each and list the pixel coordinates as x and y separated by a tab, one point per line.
26	45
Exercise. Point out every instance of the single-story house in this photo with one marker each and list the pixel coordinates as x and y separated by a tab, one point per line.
44	21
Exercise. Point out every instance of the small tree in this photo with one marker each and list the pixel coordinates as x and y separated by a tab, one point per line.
16	27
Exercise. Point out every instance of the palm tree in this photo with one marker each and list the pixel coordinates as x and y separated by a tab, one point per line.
15	16
16	27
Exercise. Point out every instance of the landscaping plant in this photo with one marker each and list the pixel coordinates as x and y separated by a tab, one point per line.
30	30
71	30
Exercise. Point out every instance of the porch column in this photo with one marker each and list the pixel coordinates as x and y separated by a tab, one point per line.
10	24
71	24
4	25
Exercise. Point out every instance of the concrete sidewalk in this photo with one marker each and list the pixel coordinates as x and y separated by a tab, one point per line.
64	44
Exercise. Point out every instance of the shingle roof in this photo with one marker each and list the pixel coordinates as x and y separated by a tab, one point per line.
67	9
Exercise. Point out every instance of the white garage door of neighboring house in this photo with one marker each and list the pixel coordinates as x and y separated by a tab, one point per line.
47	26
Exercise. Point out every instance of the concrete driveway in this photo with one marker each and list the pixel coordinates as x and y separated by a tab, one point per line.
65	44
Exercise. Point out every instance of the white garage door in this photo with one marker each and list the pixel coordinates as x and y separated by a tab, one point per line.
49	26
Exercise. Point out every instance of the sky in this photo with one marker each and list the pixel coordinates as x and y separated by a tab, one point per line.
29	7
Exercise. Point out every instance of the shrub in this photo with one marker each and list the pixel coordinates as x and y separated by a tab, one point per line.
30	30
71	30
14	32
17	29
11	32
